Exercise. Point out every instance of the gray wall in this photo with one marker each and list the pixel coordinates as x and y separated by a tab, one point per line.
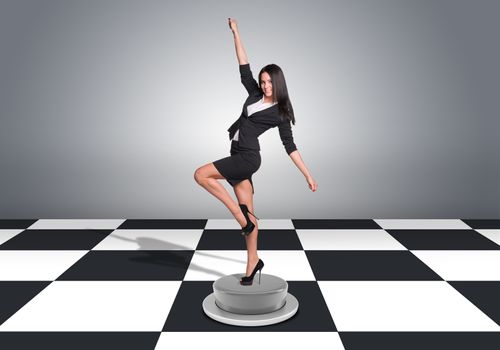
108	107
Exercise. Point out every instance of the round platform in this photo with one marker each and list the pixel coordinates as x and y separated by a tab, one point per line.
256	305
287	311
268	296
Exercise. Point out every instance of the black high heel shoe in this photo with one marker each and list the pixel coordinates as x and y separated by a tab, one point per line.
248	280
250	225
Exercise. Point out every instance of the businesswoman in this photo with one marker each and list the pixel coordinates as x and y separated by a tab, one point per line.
267	106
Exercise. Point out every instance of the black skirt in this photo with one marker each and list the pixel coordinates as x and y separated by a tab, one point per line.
239	166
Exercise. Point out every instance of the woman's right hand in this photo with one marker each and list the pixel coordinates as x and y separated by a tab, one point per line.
312	184
232	25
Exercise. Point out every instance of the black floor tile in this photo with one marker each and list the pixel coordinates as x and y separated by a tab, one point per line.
79	340
187	315
139	224
233	240
8	224
420	340
484	294
135	265
482	224
368	265
15	294
344	224
443	240
55	240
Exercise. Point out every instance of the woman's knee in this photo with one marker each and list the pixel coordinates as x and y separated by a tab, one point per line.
198	175
207	171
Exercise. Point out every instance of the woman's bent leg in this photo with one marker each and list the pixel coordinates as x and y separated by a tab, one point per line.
207	176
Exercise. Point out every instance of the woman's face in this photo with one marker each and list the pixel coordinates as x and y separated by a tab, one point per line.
266	84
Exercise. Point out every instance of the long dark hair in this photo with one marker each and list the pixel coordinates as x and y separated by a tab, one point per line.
280	92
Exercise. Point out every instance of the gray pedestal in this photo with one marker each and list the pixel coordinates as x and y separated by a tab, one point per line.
257	305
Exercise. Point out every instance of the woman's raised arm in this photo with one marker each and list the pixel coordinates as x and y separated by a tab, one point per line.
240	50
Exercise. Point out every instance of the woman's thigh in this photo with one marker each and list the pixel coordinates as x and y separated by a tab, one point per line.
209	170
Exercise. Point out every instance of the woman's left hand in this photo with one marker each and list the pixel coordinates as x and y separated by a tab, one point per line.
312	184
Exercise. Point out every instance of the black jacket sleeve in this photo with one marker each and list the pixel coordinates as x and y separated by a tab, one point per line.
286	136
247	79
232	129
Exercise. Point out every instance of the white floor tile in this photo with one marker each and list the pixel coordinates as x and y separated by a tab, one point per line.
5	235
463	265
213	264
150	240
222	224
34	265
276	224
348	240
264	340
77	224
97	306
402	306
493	235
422	224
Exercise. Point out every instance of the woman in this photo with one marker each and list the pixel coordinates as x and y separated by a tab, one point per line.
266	107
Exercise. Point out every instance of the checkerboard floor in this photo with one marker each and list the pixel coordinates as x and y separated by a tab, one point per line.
140	284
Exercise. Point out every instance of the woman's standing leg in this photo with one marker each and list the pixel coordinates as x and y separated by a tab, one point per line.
243	191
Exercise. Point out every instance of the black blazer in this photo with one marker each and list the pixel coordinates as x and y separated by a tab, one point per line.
255	125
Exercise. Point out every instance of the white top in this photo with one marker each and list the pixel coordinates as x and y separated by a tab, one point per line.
251	109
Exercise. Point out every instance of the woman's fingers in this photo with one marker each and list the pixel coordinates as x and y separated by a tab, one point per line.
312	184
232	23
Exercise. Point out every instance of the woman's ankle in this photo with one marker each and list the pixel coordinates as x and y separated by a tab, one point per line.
253	258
